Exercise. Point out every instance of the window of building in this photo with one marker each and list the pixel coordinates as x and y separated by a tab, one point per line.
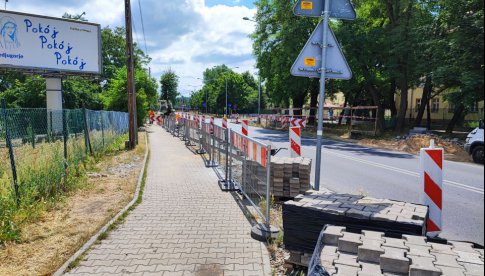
474	107
418	104
435	105
451	108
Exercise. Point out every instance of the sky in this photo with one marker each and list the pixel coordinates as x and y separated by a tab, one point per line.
186	36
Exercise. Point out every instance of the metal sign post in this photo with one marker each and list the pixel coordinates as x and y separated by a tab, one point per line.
322	56
326	16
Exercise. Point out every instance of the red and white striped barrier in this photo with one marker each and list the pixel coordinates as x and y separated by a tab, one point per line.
295	141
254	151
212	122
285	121
224	122
159	119
432	178
245	127
295	122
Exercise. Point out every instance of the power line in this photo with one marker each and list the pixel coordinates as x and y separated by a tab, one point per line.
134	29
143	27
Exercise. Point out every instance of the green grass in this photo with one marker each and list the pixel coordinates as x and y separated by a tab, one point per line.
42	179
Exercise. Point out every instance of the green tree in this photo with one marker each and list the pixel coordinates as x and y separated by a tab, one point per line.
279	37
116	96
169	82
242	91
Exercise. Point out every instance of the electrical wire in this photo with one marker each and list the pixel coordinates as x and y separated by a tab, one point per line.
134	29
143	27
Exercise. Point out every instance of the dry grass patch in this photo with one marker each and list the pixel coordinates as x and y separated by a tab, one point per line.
62	230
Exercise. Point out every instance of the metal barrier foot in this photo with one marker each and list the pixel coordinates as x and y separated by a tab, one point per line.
260	232
211	164
227	186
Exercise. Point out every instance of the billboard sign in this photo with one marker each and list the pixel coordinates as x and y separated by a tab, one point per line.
38	43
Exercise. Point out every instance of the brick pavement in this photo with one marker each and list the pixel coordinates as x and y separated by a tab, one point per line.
372	254
185	225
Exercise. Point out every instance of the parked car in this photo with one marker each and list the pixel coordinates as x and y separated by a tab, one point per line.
474	144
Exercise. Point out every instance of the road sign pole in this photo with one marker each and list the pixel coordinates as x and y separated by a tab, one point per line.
326	16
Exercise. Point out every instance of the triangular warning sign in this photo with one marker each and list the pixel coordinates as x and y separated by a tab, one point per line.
309	62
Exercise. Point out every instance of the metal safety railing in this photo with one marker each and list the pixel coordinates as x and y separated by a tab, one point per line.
192	133
242	163
250	171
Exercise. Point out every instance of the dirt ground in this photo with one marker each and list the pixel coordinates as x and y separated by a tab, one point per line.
49	242
413	145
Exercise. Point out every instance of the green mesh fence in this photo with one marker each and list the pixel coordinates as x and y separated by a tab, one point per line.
40	148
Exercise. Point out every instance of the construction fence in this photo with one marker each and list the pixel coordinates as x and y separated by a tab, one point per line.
242	163
40	148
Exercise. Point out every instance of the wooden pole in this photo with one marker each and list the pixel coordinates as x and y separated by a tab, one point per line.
131	77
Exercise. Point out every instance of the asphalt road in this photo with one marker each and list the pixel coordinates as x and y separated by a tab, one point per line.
350	168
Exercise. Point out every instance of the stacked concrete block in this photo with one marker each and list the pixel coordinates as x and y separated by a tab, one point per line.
307	214
290	176
378	255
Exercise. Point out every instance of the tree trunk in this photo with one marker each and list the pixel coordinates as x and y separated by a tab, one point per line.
403	69
428	88
390	101
298	103
401	119
459	111
376	97
314	91
342	113
428	120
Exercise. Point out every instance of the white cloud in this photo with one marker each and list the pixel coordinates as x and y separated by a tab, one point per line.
185	35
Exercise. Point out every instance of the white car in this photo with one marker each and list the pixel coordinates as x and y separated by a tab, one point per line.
474	144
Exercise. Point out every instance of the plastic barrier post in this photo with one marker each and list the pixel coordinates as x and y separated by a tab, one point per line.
432	179
295	141
245	127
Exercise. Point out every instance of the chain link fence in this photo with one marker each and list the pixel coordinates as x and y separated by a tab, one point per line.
41	148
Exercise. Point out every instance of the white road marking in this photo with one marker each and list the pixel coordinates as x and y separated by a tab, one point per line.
406	172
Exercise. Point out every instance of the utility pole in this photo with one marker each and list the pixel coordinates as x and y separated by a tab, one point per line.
226	100
131	78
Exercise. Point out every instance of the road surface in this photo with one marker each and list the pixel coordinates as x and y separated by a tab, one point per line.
350	168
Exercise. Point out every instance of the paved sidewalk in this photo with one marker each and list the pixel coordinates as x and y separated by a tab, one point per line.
185	225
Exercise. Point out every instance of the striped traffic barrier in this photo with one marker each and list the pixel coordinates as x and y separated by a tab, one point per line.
224	122
254	151
295	141
295	122
245	127
432	179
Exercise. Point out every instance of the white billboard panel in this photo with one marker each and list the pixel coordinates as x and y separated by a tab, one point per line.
33	42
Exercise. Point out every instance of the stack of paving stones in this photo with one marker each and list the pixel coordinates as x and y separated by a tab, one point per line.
306	215
255	179
290	176
372	254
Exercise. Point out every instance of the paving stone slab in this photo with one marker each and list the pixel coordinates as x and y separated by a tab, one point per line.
181	224
411	255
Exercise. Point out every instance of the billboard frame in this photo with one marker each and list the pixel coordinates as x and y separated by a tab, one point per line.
57	72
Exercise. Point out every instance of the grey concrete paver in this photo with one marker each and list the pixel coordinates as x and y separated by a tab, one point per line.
185	225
